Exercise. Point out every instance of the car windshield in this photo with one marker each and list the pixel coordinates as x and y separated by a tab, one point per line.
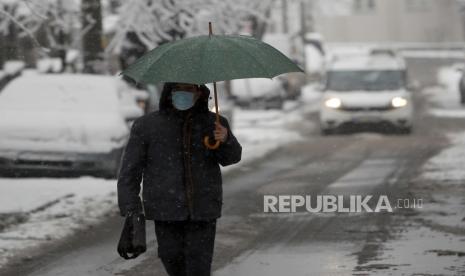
366	80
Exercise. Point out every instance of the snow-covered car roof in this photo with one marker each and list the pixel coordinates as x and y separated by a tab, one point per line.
79	113
64	91
367	62
256	87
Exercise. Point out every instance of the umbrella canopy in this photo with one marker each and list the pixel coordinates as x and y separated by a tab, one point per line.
210	58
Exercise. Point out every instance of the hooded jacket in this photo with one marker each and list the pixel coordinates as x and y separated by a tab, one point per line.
181	178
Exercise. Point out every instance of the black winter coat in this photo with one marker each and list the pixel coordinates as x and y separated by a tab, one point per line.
181	177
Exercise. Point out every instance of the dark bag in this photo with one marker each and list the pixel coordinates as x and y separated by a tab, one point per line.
132	240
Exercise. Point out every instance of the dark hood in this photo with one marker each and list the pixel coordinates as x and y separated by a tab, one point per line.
165	105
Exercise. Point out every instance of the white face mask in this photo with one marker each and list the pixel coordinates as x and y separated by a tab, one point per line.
183	100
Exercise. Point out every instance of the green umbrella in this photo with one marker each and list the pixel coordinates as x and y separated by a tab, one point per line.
208	59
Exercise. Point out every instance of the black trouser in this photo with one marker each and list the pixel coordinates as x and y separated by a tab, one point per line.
186	247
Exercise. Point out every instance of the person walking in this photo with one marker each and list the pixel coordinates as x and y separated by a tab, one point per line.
182	183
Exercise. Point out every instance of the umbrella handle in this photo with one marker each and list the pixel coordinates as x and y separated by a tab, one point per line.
206	139
206	142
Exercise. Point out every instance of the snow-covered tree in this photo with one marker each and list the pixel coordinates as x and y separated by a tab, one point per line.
153	22
49	24
92	48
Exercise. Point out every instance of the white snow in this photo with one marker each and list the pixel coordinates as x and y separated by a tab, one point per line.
256	87
262	131
433	54
445	99
14	66
314	60
61	113
311	97
447	166
442	181
62	92
83	201
25	195
414	253
49	65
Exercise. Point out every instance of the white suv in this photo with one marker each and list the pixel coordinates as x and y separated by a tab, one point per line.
366	90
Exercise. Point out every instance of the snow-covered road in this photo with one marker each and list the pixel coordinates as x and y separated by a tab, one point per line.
286	155
35	211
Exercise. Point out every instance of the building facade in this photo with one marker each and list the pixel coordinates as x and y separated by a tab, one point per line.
431	21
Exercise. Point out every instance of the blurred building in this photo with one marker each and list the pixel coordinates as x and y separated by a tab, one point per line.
392	21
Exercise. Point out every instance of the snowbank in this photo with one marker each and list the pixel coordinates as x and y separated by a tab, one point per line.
447	166
261	131
55	208
445	100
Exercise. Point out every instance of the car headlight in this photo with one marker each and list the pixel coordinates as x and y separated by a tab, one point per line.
399	102
333	103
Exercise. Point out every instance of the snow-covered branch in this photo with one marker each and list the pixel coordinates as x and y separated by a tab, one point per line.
158	21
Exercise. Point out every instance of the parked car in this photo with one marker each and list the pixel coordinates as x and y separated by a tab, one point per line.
258	93
70	124
366	90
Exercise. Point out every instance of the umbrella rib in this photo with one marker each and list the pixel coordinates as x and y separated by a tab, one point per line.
255	58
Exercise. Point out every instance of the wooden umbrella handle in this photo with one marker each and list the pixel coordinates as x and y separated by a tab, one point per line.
206	139
214	146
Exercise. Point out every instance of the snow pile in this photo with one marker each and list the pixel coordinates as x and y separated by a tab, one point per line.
449	78
55	207
445	100
311	97
447	166
260	132
314	60
13	67
46	65
61	113
442	185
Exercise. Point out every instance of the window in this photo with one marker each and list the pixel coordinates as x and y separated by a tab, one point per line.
364	5
366	80
418	5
